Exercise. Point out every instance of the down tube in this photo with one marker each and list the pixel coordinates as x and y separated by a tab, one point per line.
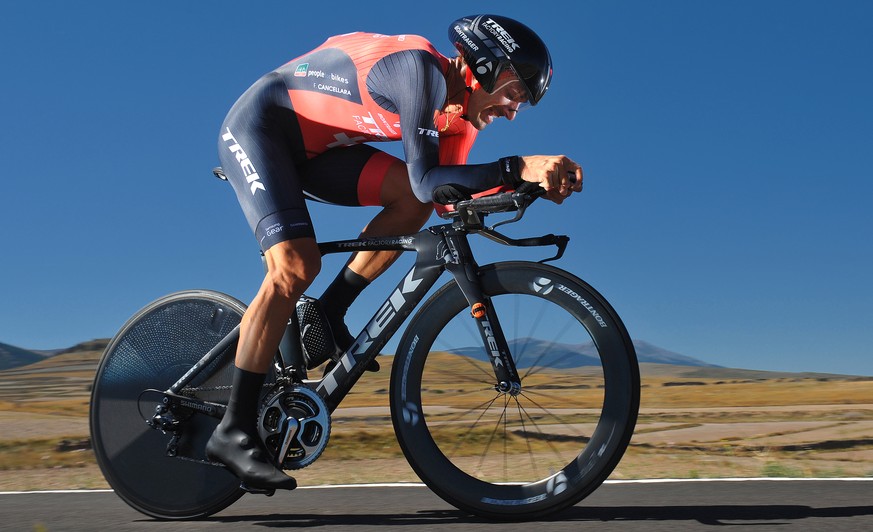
391	314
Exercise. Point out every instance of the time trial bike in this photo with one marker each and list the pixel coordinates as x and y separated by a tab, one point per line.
514	389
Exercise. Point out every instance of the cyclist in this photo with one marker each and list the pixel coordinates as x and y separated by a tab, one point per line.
301	132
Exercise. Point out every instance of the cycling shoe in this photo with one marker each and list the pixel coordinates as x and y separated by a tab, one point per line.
243	456
325	339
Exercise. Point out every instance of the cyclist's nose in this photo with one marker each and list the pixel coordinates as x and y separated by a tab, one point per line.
511	110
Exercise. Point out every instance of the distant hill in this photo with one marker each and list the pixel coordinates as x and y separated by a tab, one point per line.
652	354
557	355
565	356
15	357
654	362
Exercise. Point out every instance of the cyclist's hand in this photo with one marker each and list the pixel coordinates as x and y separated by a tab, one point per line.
552	172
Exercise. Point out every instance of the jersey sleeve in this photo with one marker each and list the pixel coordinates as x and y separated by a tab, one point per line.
411	84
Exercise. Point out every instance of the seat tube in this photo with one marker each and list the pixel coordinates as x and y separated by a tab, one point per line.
291	348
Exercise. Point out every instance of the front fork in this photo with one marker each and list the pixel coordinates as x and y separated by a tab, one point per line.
465	271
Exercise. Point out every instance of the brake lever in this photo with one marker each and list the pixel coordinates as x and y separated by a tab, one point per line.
523	201
521	205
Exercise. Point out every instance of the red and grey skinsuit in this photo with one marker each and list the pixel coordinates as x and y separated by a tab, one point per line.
302	131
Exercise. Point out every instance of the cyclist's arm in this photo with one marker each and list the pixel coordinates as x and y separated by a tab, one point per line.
422	91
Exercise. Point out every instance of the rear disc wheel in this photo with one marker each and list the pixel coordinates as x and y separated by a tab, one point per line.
152	351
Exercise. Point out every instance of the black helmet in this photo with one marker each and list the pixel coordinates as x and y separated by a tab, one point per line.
491	43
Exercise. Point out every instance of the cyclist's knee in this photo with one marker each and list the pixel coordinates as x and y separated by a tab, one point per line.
401	217
408	213
290	283
417	213
399	202
292	266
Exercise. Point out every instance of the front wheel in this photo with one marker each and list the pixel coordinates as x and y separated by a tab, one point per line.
521	453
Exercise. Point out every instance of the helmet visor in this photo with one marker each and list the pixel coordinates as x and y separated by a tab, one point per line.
534	71
513	89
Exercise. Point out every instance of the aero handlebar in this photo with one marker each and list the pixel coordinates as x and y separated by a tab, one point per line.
505	201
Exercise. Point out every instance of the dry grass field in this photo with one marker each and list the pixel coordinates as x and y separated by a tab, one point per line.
694	422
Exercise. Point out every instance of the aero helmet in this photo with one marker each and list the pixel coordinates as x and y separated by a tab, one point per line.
490	44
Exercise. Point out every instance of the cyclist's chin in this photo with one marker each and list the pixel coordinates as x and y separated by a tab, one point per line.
482	120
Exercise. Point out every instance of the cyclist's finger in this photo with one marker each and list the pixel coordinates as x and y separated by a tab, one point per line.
556	196
567	181
564	189
562	183
579	177
550	179
560	189
574	174
556	177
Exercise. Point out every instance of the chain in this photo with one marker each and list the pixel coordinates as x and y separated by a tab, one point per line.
189	392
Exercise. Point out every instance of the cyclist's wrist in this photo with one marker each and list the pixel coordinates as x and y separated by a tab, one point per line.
510	171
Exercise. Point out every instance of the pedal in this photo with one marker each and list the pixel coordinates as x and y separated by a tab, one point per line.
256	491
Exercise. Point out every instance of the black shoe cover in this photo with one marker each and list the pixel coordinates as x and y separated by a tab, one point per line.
243	456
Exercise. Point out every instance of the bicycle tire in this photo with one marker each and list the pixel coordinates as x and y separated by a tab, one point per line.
526	456
152	351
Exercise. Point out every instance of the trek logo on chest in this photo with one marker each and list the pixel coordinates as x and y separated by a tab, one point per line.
247	167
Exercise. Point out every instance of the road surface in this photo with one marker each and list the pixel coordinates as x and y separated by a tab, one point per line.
829	505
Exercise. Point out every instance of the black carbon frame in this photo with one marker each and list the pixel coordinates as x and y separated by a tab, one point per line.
438	248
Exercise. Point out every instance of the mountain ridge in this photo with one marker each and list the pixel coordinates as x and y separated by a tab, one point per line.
650	357
12	357
570	356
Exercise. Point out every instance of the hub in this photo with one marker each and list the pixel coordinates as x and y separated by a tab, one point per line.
512	388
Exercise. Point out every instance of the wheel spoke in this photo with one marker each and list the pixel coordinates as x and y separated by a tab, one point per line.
521	415
466	436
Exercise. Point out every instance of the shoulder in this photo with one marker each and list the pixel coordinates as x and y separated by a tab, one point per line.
381	44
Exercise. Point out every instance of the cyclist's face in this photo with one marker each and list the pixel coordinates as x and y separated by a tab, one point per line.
504	101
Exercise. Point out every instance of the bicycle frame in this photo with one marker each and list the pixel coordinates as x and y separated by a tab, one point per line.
438	248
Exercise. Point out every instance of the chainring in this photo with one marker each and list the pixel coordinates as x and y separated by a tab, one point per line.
294	425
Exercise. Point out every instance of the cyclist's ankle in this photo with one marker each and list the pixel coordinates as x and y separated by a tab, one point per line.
341	335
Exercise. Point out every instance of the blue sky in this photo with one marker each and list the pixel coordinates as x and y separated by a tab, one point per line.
726	145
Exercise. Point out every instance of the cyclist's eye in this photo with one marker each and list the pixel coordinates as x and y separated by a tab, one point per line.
518	96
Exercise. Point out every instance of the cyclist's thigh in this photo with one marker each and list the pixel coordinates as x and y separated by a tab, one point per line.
351	175
256	156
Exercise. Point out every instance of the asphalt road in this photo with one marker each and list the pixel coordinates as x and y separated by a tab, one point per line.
830	505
